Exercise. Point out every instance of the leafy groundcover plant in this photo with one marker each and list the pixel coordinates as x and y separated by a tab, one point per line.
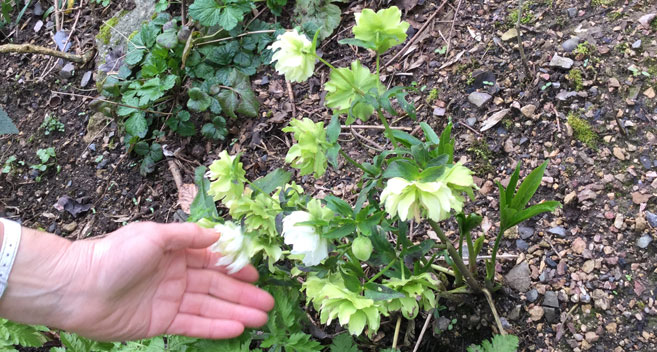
350	264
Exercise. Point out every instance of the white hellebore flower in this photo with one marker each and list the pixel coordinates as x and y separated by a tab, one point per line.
294	56
304	239
233	245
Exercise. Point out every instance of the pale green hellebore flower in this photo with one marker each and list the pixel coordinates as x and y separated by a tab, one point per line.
234	246
294	56
227	179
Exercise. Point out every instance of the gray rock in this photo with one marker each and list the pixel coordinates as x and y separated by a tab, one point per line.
443	323
518	277
505	323
438	111
67	71
565	95
644	241
636	44
522	244
558	230
585	298
514	314
85	79
572	12
570	44
550	299
645	161
38	9
478	99
561	62
551	315
550	262
471	121
652	219
531	295
525	232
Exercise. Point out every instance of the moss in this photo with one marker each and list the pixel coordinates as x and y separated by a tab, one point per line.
614	15
527	15
433	95
582	130
481	156
105	31
585	49
575	77
602	2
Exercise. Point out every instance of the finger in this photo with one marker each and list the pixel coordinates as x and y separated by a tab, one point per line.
229	289
205	259
182	235
210	307
206	328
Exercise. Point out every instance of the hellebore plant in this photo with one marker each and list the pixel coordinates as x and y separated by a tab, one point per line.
358	262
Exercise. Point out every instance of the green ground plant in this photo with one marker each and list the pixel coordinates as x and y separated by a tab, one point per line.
527	15
51	124
575	77
582	130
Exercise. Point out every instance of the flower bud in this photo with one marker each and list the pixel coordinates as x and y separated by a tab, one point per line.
362	248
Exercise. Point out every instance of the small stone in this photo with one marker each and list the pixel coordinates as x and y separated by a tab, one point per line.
570	198
438	111
646	19
591	337
572	12
618	153
644	241
640	223
586	194
579	245
510	34
471	121
522	244
612	328
518	277
38	9
561	62
443	323
525	232
570	44
652	219
478	99
558	230
508	146
528	110
38	26
551	315
588	266
614	83
636	44
85	79
619	221
650	93
578	337
550	262
531	295
70	227
551	299
640	198
564	95
514	314
536	313
600	299
645	161
585	298
67	71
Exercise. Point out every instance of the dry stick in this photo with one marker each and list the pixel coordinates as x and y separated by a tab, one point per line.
373	145
112	102
489	298
36	49
375	127
58	27
75	23
521	48
417	35
556	117
424	329
175	172
291	96
183	13
456	12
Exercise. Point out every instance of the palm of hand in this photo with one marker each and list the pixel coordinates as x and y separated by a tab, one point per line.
146	279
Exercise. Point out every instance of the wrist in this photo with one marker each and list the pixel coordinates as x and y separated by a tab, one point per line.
35	288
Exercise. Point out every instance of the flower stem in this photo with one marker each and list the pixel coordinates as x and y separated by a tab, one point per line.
380	272
396	336
352	161
384	121
325	62
442	269
490	274
378	70
458	261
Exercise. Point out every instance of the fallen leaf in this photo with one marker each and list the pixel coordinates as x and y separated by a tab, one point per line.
186	195
494	119
646	19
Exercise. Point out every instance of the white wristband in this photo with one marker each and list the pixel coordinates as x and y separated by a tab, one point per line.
10	242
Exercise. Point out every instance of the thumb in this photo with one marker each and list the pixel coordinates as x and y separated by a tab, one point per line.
178	236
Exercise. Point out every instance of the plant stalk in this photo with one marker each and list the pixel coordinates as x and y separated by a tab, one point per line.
490	274
352	161
458	261
442	269
396	336
489	298
384	121
380	272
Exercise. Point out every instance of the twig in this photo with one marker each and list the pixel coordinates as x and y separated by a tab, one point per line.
424	329
58	26
556	117
456	12
237	36
470	128
374	145
375	127
489	298
416	36
75	23
111	102
521	48
290	94
175	172
183	13
36	49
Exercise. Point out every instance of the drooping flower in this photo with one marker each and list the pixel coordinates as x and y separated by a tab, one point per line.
342	92
383	28
233	245
309	153
294	56
434	199
304	239
227	178
259	213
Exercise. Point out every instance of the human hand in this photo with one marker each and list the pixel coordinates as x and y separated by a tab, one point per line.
147	279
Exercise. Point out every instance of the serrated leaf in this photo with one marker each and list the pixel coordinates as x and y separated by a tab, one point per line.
198	101
499	343
343	343
137	125
203	205
273	180
401	168
378	292
168	39
333	130
312	15
226	13
239	97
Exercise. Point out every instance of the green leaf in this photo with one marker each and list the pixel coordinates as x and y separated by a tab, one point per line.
357	42
478	243
168	39
301	342
147	166
405	138
273	180
429	134
446	145
339	206
312	15
203	205
333	130
6	125
342	95
215	130
142	148
513	181
532	211
528	187
343	343
137	125
431	174
378	292
499	343
75	343
226	13
402	168
342	231
383	28
198	101
239	98
18	334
